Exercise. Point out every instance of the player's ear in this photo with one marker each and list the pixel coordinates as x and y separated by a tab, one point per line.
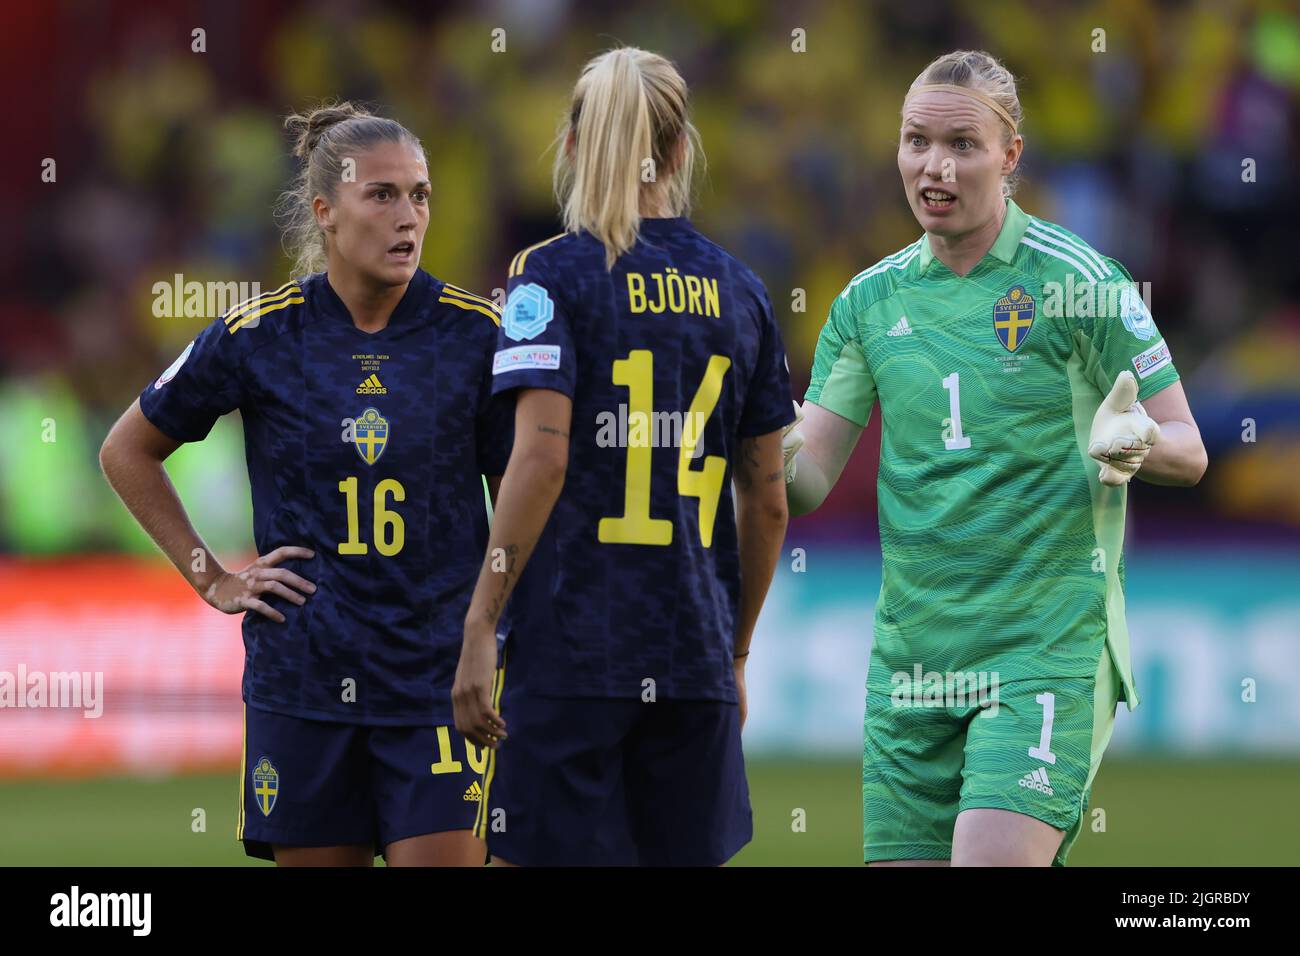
324	213
679	151
1011	157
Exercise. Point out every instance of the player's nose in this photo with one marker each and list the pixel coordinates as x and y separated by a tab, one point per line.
933	165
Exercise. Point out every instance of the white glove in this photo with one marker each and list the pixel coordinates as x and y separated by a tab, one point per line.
1122	433
791	442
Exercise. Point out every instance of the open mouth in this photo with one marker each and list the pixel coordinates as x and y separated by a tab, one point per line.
402	250
937	198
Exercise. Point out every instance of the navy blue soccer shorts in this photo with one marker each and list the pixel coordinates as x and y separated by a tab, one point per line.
318	783
598	782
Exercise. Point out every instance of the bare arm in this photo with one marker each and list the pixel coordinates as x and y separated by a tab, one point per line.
761	517
132	458
829	439
1178	457
528	491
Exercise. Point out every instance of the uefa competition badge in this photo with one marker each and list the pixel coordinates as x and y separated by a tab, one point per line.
528	312
1135	315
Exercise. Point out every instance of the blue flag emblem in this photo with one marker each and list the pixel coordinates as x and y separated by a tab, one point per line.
1013	317
370	435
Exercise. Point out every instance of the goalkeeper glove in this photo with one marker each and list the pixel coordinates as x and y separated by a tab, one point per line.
1122	433
791	442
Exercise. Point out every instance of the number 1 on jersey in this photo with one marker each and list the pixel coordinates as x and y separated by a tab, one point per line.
635	526
958	441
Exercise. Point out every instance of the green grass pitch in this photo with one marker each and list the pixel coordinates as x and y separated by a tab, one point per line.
1157	813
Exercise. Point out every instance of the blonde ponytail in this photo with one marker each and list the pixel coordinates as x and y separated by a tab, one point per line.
629	113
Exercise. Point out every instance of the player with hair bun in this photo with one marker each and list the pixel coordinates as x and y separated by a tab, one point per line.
364	388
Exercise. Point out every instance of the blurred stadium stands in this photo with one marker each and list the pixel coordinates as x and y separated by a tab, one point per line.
168	161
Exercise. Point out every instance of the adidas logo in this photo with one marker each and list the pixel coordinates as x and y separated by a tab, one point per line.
1037	781
900	328
371	386
474	793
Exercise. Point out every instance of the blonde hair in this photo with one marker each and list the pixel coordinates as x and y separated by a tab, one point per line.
629	105
323	138
984	74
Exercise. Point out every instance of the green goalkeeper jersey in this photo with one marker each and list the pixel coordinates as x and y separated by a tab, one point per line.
1001	549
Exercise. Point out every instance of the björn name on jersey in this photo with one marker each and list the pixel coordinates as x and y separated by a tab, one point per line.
669	291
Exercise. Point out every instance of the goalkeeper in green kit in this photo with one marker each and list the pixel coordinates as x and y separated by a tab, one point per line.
1008	358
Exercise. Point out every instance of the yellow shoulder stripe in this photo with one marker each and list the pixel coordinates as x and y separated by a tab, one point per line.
275	306
289	288
517	264
449	289
490	311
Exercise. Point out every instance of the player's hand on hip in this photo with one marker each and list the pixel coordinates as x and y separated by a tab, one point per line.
1122	433
791	442
239	591
471	694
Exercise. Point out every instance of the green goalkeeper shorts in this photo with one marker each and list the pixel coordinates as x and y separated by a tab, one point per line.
1033	748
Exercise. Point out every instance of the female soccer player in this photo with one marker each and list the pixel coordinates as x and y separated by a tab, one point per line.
650	372
368	419
1000	381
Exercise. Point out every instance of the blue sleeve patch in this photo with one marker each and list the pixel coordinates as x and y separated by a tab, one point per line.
1135	315
528	312
175	367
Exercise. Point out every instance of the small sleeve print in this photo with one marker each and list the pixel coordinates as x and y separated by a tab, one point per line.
1125	337
535	342
841	380
768	404
203	384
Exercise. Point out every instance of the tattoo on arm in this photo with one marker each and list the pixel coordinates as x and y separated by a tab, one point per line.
748	464
496	604
551	430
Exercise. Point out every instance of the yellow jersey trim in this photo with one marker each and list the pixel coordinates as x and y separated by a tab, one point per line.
449	289
517	263
489	311
480	819
299	300
289	288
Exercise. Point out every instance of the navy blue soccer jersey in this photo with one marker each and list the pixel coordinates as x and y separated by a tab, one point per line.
368	449
670	359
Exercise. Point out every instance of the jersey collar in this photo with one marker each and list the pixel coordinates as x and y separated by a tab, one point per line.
659	226
410	302
1004	247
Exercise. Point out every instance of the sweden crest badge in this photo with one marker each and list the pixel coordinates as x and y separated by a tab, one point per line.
266	785
1013	317
370	435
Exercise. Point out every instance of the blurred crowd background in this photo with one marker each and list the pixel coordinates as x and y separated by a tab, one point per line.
1164	133
168	161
